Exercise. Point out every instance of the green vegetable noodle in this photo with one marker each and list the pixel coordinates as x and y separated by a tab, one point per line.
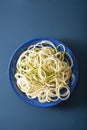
43	72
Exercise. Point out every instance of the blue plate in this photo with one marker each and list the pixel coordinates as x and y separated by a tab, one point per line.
12	71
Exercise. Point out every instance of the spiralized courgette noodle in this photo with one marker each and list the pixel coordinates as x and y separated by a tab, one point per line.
44	72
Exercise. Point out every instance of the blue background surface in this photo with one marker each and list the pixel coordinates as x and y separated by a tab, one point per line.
65	20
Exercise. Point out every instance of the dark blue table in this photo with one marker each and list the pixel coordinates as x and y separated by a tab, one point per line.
65	20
